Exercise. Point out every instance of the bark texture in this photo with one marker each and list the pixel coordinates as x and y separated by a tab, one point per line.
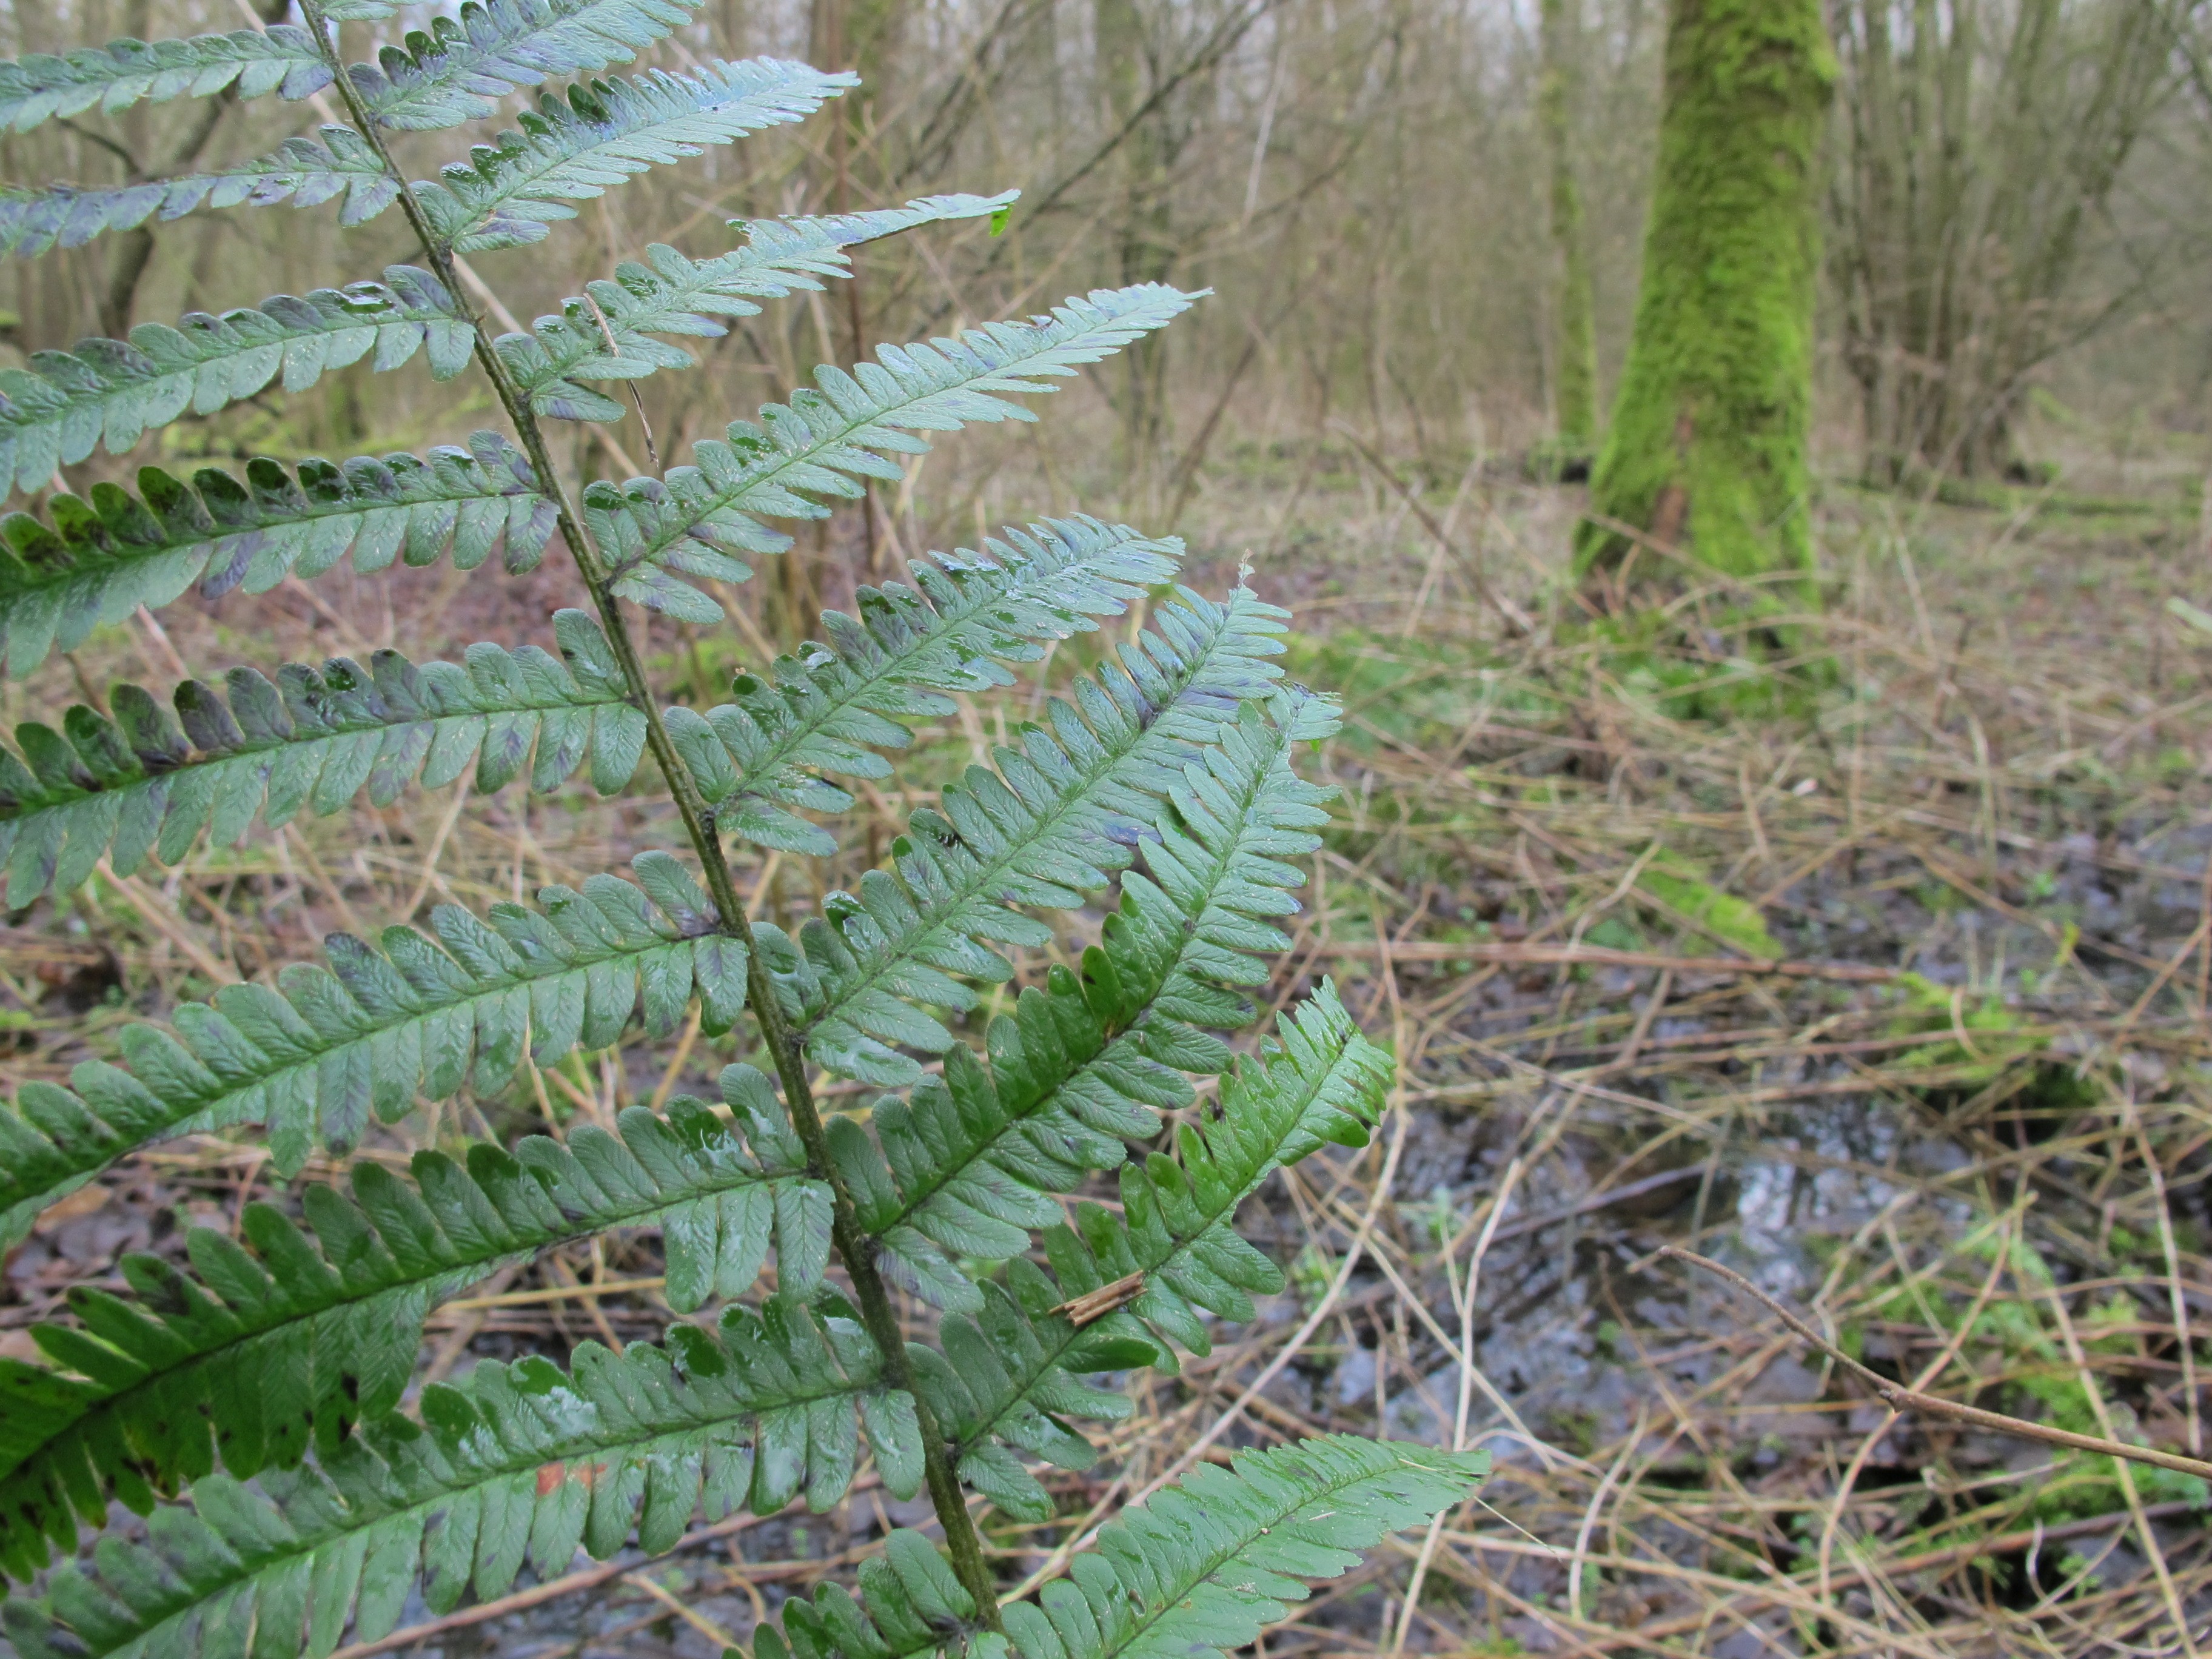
1707	453
1574	344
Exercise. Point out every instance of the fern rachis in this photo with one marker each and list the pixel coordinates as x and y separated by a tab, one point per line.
253	1401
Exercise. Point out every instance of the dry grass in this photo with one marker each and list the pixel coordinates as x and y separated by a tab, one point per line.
1987	1179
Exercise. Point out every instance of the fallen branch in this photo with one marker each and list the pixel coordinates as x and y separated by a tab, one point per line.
1595	956
1899	1398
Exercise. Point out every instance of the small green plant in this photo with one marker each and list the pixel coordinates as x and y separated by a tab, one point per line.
253	1407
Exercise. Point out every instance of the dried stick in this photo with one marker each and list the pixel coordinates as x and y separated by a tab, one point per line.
1901	1399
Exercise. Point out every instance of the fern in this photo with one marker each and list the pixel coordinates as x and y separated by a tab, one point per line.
516	1467
455	72
607	335
568	149
252	62
1082	1065
828	709
336	1048
1201	1568
571	150
264	1354
110	392
252	1399
1063	814
816	444
149	781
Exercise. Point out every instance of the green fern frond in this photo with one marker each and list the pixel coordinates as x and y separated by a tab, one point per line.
806	451
252	62
830	707
330	1048
970	1160
102	558
456	72
1201	1568
1323	1082
1063	813
1320	1081
149	781
300	170
571	150
293	1340
515	1466
112	393
607	335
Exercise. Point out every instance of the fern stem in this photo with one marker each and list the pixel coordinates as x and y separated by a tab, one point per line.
854	1247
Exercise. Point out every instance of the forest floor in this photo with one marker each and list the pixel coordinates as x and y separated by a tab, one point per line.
1888	989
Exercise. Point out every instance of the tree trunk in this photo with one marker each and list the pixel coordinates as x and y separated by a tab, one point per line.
1574	374
1706	454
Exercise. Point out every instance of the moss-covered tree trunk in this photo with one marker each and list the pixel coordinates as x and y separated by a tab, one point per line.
1574	342
1706	452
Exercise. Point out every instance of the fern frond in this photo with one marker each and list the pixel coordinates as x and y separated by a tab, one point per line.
607	335
112	393
572	148
516	1466
1201	1568
149	781
252	62
970	1160
102	558
844	428
1322	1082
830	707
454	73
300	170
1063	812
1319	1082
292	1341
329	1048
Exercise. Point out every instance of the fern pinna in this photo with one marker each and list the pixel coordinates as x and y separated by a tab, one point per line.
257	1403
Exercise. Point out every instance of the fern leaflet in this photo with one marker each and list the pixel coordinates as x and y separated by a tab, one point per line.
283	59
571	150
102	558
454	73
149	781
830	707
288	1343
1063	811
333	1048
517	1466
1201	1568
1081	1065
605	335
806	449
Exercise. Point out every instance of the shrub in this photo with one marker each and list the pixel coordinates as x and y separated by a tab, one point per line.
255	1406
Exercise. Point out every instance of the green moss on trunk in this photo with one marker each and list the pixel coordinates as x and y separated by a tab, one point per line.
1574	344
1707	448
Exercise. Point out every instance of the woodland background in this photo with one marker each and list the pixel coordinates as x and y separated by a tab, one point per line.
1980	1146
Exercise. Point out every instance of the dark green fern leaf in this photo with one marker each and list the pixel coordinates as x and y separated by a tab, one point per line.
697	517
149	781
970	1161
515	1466
101	559
291	1342
1201	1568
1064	811
571	148
251	63
331	1049
300	170
456	72
830	707
606	335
